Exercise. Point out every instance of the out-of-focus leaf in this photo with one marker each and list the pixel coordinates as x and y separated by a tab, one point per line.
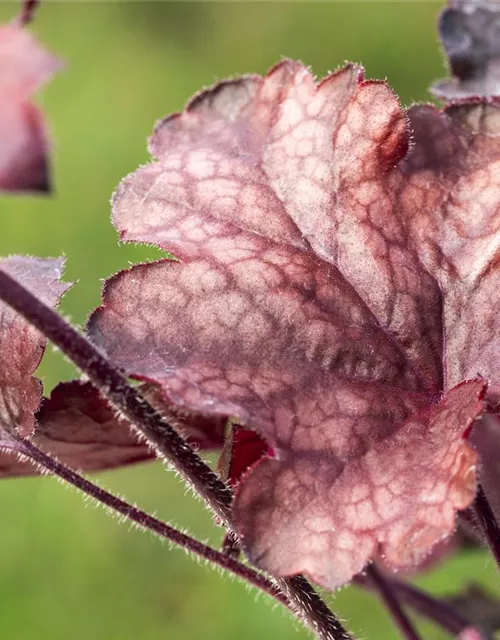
470	31
25	66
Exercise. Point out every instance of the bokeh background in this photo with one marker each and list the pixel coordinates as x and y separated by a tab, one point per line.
68	570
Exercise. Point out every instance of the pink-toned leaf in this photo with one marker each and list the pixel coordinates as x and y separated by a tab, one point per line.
78	426
22	346
450	196
335	291
441	552
335	509
25	66
470	32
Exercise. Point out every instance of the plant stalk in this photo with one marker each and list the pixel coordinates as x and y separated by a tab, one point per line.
27	449
440	613
167	443
389	598
488	522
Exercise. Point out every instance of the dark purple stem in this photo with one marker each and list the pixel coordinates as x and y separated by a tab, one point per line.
27	12
391	601
468	521
167	443
441	613
126	399
486	519
143	519
436	610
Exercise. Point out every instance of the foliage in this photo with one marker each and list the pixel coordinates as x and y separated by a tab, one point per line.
333	292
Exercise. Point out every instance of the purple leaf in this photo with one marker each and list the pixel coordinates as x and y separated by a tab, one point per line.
25	66
79	428
336	295
22	346
470	31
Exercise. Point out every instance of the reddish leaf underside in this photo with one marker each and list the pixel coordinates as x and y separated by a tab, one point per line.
242	449
79	427
334	290
25	66
470	32
22	346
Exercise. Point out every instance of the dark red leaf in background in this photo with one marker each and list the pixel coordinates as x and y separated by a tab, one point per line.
470	32
25	66
335	293
79	428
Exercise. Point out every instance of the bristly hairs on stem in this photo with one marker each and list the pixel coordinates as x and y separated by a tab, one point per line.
304	601
47	463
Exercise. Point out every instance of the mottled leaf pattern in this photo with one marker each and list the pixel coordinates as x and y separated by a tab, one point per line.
335	294
332	509
449	195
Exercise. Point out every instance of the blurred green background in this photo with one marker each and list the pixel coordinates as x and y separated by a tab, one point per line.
69	571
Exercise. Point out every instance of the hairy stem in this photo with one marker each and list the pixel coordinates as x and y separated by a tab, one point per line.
167	443
127	400
486	519
304	599
391	601
231	545
143	519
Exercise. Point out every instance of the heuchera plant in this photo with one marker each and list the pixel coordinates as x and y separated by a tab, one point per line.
329	322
